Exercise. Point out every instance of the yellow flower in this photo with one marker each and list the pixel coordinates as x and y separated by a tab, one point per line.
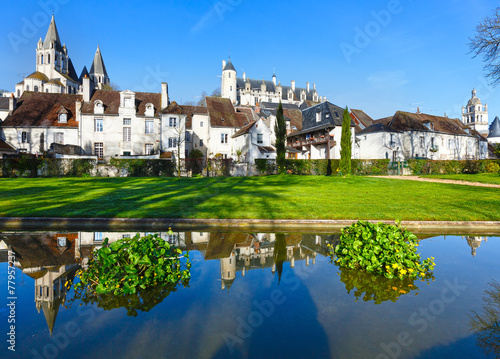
410	270
403	271
395	265
422	274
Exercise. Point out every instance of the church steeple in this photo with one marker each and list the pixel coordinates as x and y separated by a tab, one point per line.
52	36
98	73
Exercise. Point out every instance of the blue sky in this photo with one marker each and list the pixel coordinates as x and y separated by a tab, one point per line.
378	56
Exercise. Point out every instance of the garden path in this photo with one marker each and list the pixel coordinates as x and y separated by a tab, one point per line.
440	180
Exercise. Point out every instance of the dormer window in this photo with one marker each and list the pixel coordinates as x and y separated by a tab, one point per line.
63	118
150	110
429	125
127	102
318	116
98	107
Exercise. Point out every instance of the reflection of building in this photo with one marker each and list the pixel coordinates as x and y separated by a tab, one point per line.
474	243
50	259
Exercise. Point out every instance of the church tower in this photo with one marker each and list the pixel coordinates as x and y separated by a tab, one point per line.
228	83
475	115
98	73
51	56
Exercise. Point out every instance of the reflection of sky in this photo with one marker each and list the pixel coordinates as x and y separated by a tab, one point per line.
317	318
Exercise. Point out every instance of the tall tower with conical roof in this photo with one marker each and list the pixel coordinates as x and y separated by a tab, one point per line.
228	82
98	73
494	133
52	57
475	115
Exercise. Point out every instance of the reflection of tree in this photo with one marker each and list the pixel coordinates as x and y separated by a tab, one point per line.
374	287
279	253
143	300
487	324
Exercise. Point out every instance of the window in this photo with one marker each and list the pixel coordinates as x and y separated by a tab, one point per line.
172	142
61	241
318	116
201	123
173	122
223	138
59	138
99	149
149	149
391	143
125	236
63	118
127	134
201	143
422	141
127	153
127	122
97	236
24	137
188	137
149	127
259	138
36	88
98	125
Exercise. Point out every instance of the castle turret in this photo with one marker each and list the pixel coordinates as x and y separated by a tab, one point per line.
98	73
475	115
228	83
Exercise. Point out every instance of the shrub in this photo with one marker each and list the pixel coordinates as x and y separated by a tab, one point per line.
381	249
492	167
126	271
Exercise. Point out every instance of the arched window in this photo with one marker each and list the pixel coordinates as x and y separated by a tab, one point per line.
18	93
48	58
47	90
36	89
41	60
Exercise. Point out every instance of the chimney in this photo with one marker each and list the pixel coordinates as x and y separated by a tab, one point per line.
164	95
12	104
293	85
418	109
244	76
223	64
307	86
87	91
78	109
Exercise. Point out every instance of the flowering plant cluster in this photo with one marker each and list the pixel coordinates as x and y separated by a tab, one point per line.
382	249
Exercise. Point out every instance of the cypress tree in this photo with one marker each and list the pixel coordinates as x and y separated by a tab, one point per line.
346	144
280	130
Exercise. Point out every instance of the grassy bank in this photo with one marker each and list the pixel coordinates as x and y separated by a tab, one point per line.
493	178
273	197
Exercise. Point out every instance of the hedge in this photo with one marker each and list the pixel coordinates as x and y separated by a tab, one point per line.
424	167
27	166
144	168
324	167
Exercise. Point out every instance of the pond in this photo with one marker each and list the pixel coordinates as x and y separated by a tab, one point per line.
252	295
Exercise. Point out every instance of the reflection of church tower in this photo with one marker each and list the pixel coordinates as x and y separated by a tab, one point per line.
228	271
474	243
50	291
475	115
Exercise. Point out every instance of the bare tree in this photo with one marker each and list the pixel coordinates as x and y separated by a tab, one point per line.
180	132
486	42
111	87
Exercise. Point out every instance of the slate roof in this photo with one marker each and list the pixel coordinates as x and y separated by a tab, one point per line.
189	111
376	127
274	105
229	65
72	72
271	87
292	113
222	113
38	109
52	34
111	102
494	128
98	63
82	75
330	115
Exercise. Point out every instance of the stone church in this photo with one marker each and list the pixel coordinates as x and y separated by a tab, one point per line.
55	72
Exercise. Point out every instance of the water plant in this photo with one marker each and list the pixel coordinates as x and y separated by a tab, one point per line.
135	273
381	249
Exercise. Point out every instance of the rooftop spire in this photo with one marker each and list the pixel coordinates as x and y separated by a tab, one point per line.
98	64
52	35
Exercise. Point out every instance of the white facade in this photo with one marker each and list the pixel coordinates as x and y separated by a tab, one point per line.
36	140
255	143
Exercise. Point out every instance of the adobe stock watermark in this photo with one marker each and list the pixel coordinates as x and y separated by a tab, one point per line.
60	340
220	9
364	35
420	319
31	26
264	309
151	82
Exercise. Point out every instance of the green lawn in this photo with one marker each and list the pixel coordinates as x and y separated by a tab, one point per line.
493	178
273	197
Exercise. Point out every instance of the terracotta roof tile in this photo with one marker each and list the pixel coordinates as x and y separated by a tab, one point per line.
404	121
41	109
222	113
111	101
189	111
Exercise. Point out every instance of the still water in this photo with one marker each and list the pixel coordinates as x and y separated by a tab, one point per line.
245	301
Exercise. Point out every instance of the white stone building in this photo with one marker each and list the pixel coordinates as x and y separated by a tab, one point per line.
249	92
494	132
415	135
255	141
475	115
55	72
